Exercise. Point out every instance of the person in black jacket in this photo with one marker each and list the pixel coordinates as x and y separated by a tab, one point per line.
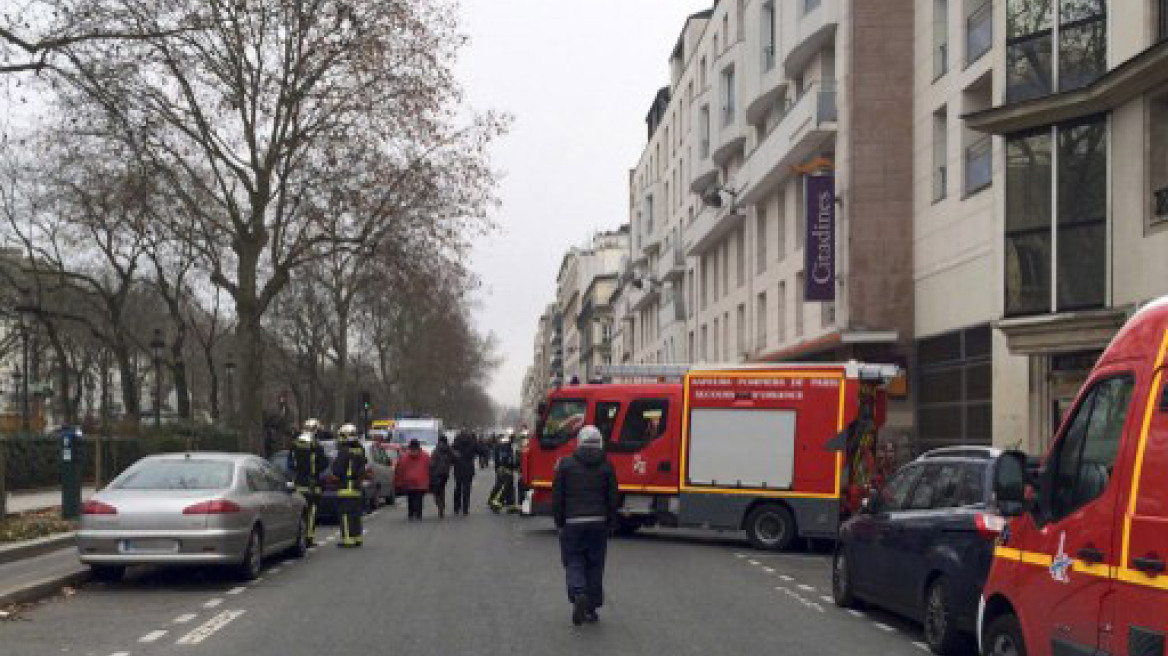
585	500
349	468
308	462
465	450
441	461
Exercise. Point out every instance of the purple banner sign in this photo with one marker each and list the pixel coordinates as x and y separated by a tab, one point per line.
819	252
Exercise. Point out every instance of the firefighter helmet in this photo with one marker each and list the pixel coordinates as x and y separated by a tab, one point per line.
312	425
347	432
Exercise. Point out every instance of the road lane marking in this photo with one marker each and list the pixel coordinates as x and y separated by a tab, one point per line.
856	613
769	570
235	591
827	598
740	555
213	603
152	636
920	645
884	627
275	570
753	562
183	619
806	588
210	627
786	578
120	653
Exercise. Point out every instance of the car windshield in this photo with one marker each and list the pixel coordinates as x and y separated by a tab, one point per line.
177	475
426	436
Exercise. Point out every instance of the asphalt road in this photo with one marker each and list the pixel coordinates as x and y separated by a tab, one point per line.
484	585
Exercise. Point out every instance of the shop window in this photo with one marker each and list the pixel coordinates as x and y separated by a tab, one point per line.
955	378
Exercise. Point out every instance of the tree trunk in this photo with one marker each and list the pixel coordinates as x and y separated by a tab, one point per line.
178	370
249	388
131	401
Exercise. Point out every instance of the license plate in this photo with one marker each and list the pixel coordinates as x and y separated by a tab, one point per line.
150	545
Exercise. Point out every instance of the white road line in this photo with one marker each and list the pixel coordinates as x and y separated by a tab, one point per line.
884	627
152	636
786	578
258	579
213	603
740	555
781	588
769	570
753	562
275	570
806	588
183	619
856	613
235	591
210	627
920	645
827	599
120	653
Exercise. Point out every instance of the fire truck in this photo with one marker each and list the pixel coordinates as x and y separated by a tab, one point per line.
779	450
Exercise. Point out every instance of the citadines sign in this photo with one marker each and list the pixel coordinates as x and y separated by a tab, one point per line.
819	254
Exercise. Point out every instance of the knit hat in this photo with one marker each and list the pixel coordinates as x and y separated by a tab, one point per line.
589	438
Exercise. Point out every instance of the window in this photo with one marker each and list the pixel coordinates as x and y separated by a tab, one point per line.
954	383
565	418
1084	459
605	421
781	325
781	226
743	346
971	490
799	304
1078	171
740	255
645	421
704	126
937	487
769	36
740	18
894	494
717	354
702	79
760	317
979	172
810	6
1034	65
979	31
725	248
705	344
714	268
729	96
940	154
705	265
940	38
760	239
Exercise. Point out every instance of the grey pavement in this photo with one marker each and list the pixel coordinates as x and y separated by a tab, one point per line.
485	585
19	502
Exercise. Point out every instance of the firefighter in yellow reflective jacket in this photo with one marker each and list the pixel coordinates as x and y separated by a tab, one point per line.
307	461
349	468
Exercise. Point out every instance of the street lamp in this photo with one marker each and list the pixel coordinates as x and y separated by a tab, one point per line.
230	395
24	307
156	346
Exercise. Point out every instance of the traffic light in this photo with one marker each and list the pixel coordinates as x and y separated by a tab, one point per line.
366	401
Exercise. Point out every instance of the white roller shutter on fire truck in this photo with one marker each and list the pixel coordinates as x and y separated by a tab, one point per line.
742	448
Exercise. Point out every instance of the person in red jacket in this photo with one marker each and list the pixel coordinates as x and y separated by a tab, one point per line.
414	471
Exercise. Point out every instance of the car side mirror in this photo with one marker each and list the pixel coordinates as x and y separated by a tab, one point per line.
1010	481
866	505
289	487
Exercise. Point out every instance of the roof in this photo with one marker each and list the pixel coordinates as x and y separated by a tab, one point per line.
212	455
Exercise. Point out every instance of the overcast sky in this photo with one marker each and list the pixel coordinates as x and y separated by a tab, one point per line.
578	75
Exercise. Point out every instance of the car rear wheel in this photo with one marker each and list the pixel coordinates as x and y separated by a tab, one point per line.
108	573
1004	638
842	591
940	633
253	556
770	527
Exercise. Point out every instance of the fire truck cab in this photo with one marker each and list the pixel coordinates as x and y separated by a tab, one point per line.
769	449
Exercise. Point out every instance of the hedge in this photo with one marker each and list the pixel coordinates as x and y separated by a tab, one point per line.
35	462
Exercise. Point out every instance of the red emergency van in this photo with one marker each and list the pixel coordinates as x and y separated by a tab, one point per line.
769	449
1080	568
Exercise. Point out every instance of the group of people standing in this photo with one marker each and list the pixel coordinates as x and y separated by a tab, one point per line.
423	473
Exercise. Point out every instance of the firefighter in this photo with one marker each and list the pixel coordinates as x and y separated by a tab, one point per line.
503	494
308	461
349	468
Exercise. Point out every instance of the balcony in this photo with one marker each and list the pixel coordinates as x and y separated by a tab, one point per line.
979	32
815	29
671	264
979	165
808	125
710	226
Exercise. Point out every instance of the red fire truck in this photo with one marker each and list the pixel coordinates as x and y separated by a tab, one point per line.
778	450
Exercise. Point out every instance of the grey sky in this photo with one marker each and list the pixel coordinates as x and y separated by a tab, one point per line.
578	75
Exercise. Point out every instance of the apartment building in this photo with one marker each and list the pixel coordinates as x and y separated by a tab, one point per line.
583	321
771	208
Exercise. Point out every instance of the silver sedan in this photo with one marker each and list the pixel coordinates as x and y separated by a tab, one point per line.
192	509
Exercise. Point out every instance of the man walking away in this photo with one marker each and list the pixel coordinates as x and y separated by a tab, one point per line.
465	450
503	494
415	475
308	462
350	470
584	505
441	461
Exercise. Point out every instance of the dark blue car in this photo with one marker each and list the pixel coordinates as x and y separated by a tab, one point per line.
922	547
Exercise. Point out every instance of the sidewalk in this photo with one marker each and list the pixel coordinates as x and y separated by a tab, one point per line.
29	579
19	502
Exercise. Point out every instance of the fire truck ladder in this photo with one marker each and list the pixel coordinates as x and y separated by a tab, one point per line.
642	373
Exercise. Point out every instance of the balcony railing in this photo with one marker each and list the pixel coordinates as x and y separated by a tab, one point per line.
979	32
978	165
1161	196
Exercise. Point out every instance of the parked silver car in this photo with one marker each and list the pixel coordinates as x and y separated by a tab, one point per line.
192	509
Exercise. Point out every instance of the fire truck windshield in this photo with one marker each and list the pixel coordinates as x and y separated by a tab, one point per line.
565	418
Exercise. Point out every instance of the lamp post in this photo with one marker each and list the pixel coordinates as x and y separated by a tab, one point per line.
24	307
230	388
156	346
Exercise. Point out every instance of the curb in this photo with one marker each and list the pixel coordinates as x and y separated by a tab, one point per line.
37	547
37	590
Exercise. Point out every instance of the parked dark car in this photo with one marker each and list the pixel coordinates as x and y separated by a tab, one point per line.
923	545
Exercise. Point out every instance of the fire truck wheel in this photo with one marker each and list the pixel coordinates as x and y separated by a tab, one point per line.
770	527
1004	638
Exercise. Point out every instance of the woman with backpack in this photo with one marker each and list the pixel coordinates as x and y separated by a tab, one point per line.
441	460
